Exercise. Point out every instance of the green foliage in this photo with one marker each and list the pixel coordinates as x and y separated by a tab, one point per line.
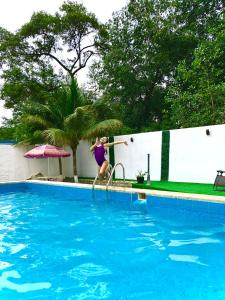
141	173
68	38
161	65
198	16
6	133
197	96
45	107
28	82
64	120
142	50
146	42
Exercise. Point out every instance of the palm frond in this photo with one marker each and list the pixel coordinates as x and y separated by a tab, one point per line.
103	128
82	118
56	136
51	111
25	142
31	139
36	120
36	108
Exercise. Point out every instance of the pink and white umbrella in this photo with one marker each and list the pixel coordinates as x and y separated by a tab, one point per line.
46	151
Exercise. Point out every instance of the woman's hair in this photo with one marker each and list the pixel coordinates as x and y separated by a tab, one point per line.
105	139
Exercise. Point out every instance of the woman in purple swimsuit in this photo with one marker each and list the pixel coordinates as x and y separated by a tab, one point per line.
99	150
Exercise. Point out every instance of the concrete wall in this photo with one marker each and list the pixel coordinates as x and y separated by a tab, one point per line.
86	164
195	156
14	167
134	156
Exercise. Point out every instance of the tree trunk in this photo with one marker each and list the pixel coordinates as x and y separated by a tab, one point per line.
74	149
60	166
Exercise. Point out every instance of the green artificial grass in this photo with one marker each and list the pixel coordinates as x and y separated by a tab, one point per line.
183	187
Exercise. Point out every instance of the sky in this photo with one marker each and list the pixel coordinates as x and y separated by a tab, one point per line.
14	13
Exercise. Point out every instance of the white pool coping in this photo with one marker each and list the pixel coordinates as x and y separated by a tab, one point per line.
181	196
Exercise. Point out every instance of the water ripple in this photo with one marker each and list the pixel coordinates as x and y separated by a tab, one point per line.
199	241
88	270
186	258
20	288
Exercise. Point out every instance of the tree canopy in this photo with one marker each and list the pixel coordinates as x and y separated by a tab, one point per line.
160	63
69	38
197	95
29	82
146	42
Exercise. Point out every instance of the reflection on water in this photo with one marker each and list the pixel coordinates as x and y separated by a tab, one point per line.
4	265
82	274
198	241
186	258
20	288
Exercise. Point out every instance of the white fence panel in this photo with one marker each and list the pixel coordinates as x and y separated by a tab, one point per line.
195	156
14	166
87	166
134	156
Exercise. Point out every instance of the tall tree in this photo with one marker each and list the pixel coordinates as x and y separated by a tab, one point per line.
68	38
197	96
142	53
146	41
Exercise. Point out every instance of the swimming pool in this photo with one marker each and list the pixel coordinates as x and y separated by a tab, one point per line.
69	243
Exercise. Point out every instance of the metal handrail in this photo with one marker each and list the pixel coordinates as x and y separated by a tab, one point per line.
113	170
93	184
96	177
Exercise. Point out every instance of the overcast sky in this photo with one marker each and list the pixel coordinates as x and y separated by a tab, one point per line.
14	13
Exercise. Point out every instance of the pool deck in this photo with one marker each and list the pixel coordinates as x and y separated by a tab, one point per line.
186	196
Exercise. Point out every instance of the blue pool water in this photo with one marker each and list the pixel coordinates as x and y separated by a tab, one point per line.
66	243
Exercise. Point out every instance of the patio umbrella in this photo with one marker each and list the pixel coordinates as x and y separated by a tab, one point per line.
46	151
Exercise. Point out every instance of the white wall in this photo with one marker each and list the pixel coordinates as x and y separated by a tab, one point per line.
86	164
195	156
14	166
134	156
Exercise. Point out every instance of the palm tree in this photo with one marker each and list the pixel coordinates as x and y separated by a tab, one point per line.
64	121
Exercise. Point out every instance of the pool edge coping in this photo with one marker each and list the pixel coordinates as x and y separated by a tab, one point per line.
169	194
182	196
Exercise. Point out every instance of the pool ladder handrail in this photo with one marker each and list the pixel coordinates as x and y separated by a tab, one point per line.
111	175
96	177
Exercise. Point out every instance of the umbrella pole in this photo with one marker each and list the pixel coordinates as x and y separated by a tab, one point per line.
48	166
60	166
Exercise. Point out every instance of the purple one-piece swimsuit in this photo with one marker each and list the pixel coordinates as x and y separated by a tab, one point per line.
99	153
